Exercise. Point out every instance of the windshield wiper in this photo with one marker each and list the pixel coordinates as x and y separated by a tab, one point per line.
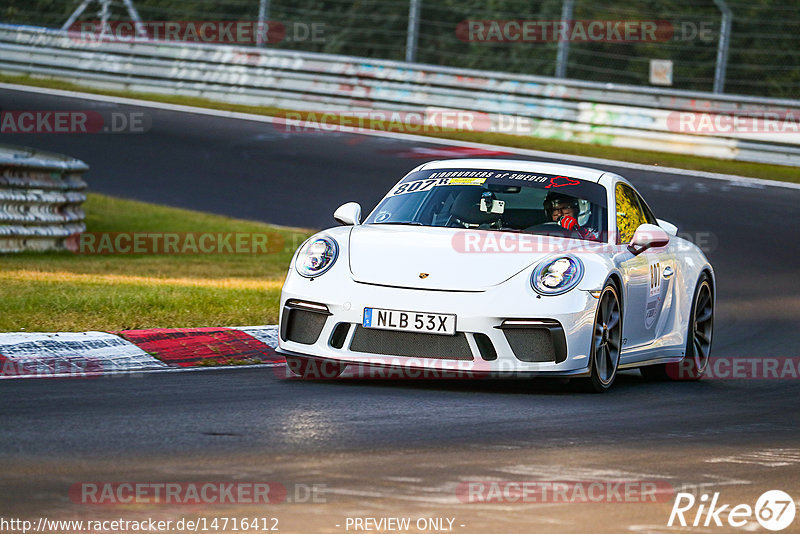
414	223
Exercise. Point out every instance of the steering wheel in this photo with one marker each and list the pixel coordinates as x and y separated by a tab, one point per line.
552	229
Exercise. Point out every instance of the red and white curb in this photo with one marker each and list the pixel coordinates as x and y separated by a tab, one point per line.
87	354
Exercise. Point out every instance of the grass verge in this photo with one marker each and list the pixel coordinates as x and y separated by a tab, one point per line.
755	170
64	291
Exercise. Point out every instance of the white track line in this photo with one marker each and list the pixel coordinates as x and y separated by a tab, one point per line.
744	180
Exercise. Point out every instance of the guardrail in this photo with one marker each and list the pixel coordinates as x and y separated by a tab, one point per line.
40	199
616	115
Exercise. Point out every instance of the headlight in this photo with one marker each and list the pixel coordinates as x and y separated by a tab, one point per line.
558	275
316	256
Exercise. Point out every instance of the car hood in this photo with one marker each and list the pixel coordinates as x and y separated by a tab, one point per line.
402	256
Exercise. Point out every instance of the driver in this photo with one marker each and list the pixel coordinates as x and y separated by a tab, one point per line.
563	210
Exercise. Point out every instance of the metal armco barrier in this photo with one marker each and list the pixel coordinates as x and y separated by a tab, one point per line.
40	199
622	116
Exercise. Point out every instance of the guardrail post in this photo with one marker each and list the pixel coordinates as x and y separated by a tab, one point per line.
563	44
413	30
104	14
722	47
136	18
263	14
75	14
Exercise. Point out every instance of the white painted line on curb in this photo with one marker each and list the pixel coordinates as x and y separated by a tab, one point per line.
743	180
70	354
96	354
267	334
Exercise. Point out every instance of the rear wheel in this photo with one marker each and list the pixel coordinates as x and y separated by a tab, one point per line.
606	341
698	341
310	369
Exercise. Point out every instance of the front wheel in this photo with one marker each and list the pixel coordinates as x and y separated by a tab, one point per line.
310	369
606	341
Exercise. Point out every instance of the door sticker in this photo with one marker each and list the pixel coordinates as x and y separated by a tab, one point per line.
654	296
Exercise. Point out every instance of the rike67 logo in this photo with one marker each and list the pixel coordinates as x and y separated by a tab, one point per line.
774	510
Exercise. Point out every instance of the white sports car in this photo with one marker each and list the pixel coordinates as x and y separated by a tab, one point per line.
500	267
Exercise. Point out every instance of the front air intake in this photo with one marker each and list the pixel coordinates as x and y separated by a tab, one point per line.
303	322
339	335
536	340
485	347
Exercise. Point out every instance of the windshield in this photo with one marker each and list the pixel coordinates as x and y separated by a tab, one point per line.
496	200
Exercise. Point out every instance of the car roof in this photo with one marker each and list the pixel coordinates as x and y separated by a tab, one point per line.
573	171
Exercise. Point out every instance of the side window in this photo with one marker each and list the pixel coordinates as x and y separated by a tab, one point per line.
648	213
629	213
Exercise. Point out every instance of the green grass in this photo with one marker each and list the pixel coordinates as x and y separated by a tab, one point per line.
755	170
64	291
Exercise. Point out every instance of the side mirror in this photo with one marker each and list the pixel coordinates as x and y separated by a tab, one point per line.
648	236
348	214
668	227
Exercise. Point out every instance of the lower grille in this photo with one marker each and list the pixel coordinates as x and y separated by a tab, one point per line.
537	344
303	326
531	344
410	344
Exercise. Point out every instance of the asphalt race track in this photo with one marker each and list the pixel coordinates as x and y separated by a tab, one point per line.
401	448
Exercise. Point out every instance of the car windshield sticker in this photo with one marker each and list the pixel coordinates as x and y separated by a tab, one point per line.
561	181
466	181
428	183
429	179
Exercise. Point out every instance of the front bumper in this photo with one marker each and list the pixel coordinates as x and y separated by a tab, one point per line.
506	329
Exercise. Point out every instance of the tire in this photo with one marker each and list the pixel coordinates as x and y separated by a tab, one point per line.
312	369
606	342
698	340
